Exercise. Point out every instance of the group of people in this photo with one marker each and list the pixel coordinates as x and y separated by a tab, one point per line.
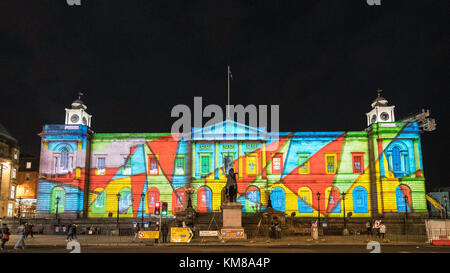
23	231
377	227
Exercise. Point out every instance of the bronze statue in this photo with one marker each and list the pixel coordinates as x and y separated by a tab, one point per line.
231	186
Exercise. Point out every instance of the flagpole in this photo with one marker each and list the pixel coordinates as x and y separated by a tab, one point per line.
228	105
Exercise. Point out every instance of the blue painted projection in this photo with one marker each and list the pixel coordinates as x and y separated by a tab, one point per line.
303	207
401	202
360	200
277	197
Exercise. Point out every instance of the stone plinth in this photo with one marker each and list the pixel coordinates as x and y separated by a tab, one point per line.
232	215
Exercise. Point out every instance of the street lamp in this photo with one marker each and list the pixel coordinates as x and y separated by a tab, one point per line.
20	205
445	201
142	214
57	206
345	220
118	206
406	209
318	209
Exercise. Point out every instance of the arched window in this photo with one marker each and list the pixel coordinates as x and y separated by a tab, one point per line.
305	200
333	200
252	199
204	199
126	202
58	199
99	206
64	158
277	197
397	155
179	201
152	198
396	160
403	196
359	196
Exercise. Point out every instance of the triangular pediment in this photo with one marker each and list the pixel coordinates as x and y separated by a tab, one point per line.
229	130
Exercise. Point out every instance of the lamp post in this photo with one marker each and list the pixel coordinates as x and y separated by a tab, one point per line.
445	202
345	232
142	214
406	209
118	206
318	209
57	206
19	214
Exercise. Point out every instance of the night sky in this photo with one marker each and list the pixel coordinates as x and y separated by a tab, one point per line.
321	61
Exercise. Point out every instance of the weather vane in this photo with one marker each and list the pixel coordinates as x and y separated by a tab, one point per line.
379	91
79	95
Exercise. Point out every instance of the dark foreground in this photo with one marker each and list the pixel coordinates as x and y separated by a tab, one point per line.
237	249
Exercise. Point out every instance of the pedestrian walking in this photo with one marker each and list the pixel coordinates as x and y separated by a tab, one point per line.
70	232
382	231
5	235
165	232
21	241
136	231
28	230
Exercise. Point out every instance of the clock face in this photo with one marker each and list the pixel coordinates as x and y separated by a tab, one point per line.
74	118
384	116
374	118
84	121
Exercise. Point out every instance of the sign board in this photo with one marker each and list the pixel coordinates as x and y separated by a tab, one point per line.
146	224
180	235
206	233
232	233
149	234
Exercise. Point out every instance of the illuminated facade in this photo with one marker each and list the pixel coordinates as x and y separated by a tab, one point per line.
379	169
9	167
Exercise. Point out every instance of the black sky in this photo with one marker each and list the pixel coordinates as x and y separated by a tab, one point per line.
321	61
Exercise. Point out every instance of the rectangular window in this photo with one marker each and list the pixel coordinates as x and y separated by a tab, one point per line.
13	192
303	164
358	162
126	170
55	165
14	174
252	165
10	210
277	164
101	165
153	165
28	165
330	161
204	164
179	165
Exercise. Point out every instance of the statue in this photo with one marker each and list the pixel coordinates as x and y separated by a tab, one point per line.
231	186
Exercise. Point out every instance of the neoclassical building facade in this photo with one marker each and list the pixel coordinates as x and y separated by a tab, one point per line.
375	171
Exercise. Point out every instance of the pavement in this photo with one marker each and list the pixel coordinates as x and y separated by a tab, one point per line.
124	241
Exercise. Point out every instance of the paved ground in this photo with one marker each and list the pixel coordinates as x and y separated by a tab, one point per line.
298	244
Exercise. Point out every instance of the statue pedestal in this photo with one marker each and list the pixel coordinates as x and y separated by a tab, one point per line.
232	215
232	221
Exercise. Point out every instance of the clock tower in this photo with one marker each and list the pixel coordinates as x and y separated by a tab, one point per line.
381	111
77	115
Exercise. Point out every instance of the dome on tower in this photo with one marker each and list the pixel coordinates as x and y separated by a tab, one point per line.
379	101
78	104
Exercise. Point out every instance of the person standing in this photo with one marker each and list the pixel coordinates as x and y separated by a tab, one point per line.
21	240
369	228
382	230
165	231
5	235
